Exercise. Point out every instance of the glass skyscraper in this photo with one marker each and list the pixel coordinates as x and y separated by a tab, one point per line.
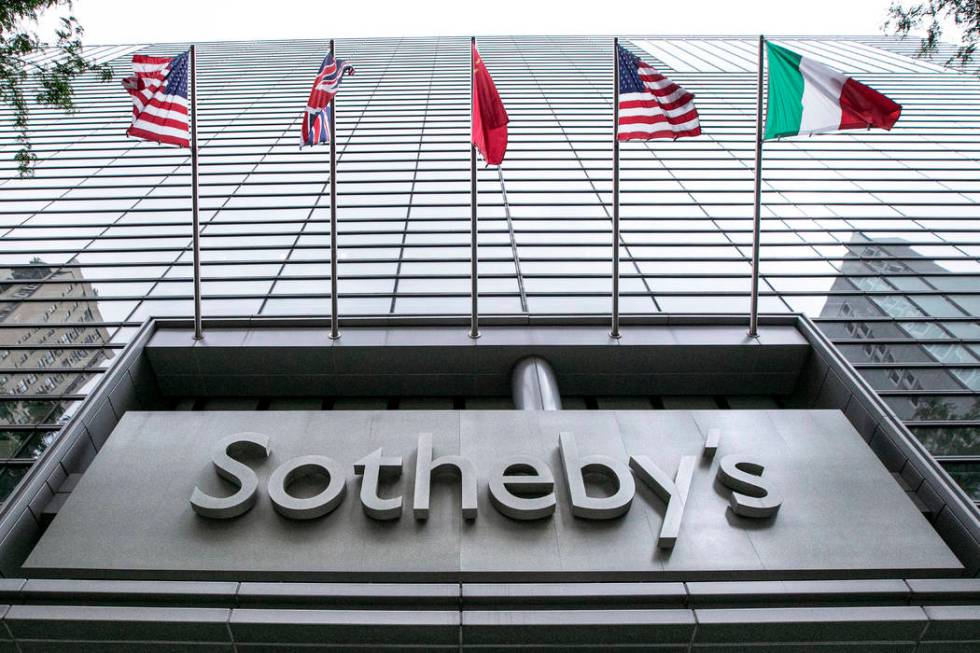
872	234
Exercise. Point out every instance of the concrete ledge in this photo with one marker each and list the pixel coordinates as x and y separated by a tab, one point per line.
350	595
578	627
39	590
511	596
346	627
711	358
953	623
894	628
118	623
787	593
799	625
945	591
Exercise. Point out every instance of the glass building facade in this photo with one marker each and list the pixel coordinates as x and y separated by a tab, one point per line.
872	234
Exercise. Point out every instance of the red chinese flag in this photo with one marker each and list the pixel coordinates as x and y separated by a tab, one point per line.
489	115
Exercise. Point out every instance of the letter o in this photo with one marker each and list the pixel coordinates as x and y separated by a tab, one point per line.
323	503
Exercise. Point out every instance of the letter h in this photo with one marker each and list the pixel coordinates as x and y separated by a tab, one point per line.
425	468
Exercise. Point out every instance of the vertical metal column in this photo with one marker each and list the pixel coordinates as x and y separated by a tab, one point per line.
614	331
534	385
757	216
332	114
474	269
195	217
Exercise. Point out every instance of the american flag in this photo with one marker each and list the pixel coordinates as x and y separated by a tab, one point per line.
318	107
650	105
160	106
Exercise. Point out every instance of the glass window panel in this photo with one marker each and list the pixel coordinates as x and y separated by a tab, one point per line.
967	475
935	408
949	441
872	233
10	476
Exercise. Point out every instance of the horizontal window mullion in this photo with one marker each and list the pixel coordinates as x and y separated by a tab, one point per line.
40	396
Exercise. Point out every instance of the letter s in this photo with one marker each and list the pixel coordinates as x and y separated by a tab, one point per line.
752	496
236	473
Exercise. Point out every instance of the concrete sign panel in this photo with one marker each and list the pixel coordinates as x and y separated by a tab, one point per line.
488	495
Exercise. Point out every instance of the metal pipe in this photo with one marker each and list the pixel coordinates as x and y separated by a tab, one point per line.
757	216
332	115
614	331
534	385
195	217
474	268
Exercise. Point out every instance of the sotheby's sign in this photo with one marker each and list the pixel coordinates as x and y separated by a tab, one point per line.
438	495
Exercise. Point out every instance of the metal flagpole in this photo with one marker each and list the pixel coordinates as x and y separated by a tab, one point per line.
332	113
474	323
757	217
198	327
614	332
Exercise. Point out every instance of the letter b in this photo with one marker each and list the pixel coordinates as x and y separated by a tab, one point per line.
575	469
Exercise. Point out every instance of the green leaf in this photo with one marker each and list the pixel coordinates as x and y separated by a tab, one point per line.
55	77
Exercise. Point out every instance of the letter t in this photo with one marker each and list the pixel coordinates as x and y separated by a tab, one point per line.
373	466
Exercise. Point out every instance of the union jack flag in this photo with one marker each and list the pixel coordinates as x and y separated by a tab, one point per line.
319	109
650	105
160	105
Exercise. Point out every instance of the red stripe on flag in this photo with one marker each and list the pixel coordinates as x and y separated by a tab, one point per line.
663	133
159	138
146	58
662	92
651	119
166	106
648	104
163	122
862	106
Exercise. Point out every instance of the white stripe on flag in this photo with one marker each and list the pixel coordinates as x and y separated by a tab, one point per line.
179	118
821	97
656	86
656	111
671	97
649	70
143	103
144	68
160	129
658	126
165	99
643	97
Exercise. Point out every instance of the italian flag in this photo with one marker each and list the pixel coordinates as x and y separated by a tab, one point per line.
806	97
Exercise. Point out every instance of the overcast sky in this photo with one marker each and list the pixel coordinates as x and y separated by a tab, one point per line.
129	21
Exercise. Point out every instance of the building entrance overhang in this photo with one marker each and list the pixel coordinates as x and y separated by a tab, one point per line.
49	528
